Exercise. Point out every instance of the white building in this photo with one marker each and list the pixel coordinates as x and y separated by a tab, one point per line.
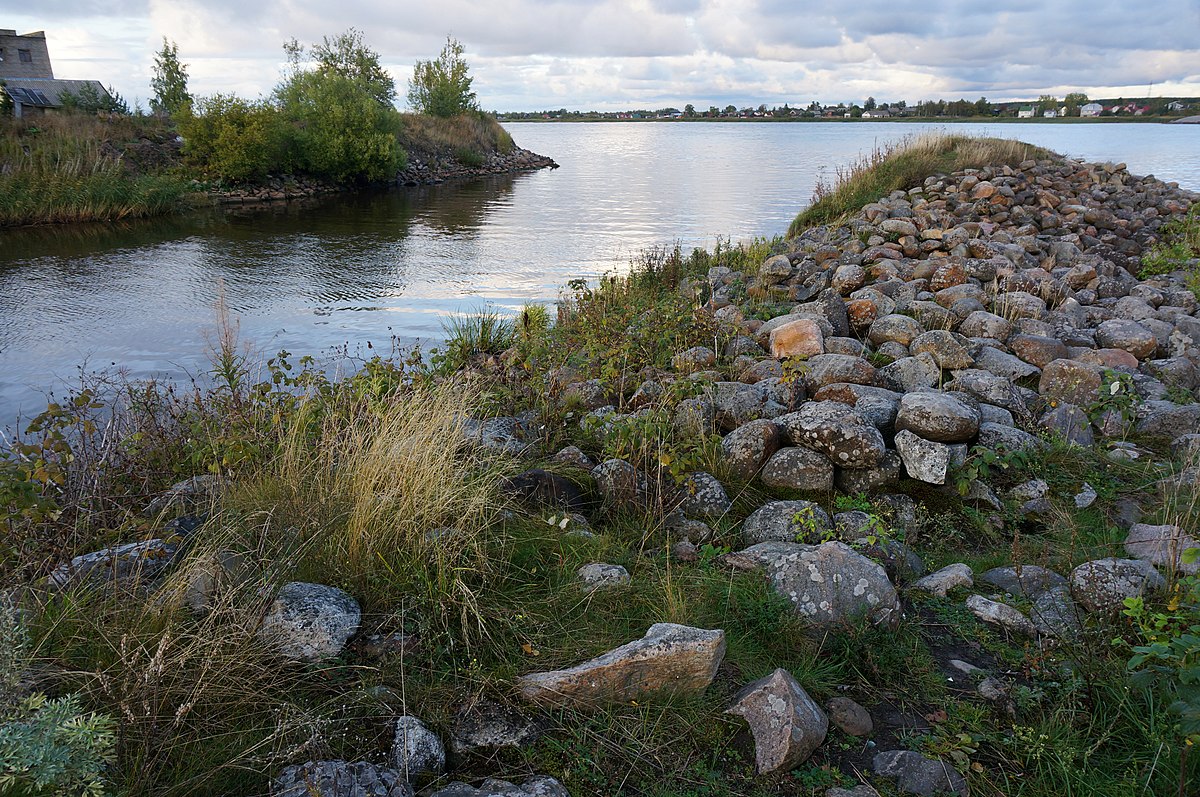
1091	109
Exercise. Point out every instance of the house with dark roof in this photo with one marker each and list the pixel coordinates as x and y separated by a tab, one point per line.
27	75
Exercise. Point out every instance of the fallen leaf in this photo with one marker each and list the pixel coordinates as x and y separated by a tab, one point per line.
530	650
937	716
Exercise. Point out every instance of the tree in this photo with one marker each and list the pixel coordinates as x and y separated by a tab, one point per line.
1074	101
730	110
983	107
689	111
169	81
869	105
340	119
92	100
1047	102
442	87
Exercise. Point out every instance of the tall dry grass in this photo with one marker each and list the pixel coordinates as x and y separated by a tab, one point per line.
905	164
471	132
65	168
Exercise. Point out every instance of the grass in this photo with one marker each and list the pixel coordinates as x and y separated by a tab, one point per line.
471	137
1178	249
65	168
905	164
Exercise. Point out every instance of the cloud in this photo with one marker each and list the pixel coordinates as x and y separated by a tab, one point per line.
532	54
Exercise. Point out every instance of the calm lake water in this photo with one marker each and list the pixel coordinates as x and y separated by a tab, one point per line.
348	273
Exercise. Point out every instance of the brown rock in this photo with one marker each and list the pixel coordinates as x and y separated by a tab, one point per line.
801	338
850	717
669	658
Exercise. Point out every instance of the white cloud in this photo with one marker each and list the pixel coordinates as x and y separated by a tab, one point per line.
532	54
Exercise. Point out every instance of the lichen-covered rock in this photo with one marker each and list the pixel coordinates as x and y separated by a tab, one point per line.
798	468
949	577
786	521
830	583
947	348
827	369
1165	420
703	496
339	779
1070	382
487	726
619	482
746	449
1130	336
938	416
696	358
1069	423
669	658
1000	614
599	575
882	476
1104	584
926	460
416	750
119	565
1026	581
787	724
895	328
310	622
837	431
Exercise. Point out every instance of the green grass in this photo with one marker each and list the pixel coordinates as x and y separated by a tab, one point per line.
905	164
64	169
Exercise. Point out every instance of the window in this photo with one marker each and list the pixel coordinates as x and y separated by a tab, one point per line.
25	56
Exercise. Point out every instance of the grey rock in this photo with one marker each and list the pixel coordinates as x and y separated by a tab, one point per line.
1070	423
1004	365
1000	614
538	786
949	577
1103	585
938	416
895	328
416	750
883	476
916	774
697	358
1130	336
339	779
1162	546
1054	614
1086	496
746	449
786	521
120	565
1164	420
981	324
619	482
947	348
1027	581
827	369
926	460
911	373
1006	438
787	724
488	726
837	431
601	576
798	468
703	496
505	435
830	583
310	622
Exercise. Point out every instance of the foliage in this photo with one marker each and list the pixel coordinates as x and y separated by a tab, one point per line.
6	102
91	100
47	746
340	121
442	87
233	139
985	463
1117	397
1169	657
169	81
1177	249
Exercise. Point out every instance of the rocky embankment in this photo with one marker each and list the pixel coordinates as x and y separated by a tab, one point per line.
986	310
428	168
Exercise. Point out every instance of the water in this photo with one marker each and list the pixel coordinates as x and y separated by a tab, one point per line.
352	273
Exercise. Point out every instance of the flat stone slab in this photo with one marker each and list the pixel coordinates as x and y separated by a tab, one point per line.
669	658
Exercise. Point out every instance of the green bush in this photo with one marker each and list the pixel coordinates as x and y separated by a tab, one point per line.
232	138
442	87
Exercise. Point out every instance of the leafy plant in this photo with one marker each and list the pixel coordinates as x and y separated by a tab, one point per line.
1180	243
442	87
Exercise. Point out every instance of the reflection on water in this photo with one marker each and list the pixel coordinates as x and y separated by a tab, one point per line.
349	271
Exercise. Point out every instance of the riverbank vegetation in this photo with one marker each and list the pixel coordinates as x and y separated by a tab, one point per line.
84	168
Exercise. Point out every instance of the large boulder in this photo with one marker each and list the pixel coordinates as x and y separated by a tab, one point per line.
310	622
1070	382
830	583
938	416
1104	584
837	431
798	468
828	369
746	449
787	724
786	521
800	338
1162	546
669	658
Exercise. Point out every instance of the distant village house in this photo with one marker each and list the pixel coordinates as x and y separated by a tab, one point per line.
1091	109
27	76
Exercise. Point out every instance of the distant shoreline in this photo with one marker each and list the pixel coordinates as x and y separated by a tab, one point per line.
919	119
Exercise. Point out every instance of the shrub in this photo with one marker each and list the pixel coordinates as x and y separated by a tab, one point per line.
232	138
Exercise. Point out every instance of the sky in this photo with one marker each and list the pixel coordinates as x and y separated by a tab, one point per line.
528	55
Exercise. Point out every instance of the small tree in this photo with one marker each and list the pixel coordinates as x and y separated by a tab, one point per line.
1047	102
442	87
1074	101
869	105
169	81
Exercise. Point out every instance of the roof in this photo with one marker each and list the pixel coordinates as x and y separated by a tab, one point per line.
45	92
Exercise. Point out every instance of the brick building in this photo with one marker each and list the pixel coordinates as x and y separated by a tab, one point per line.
24	56
27	76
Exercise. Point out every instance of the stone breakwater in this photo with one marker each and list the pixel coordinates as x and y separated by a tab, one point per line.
431	168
